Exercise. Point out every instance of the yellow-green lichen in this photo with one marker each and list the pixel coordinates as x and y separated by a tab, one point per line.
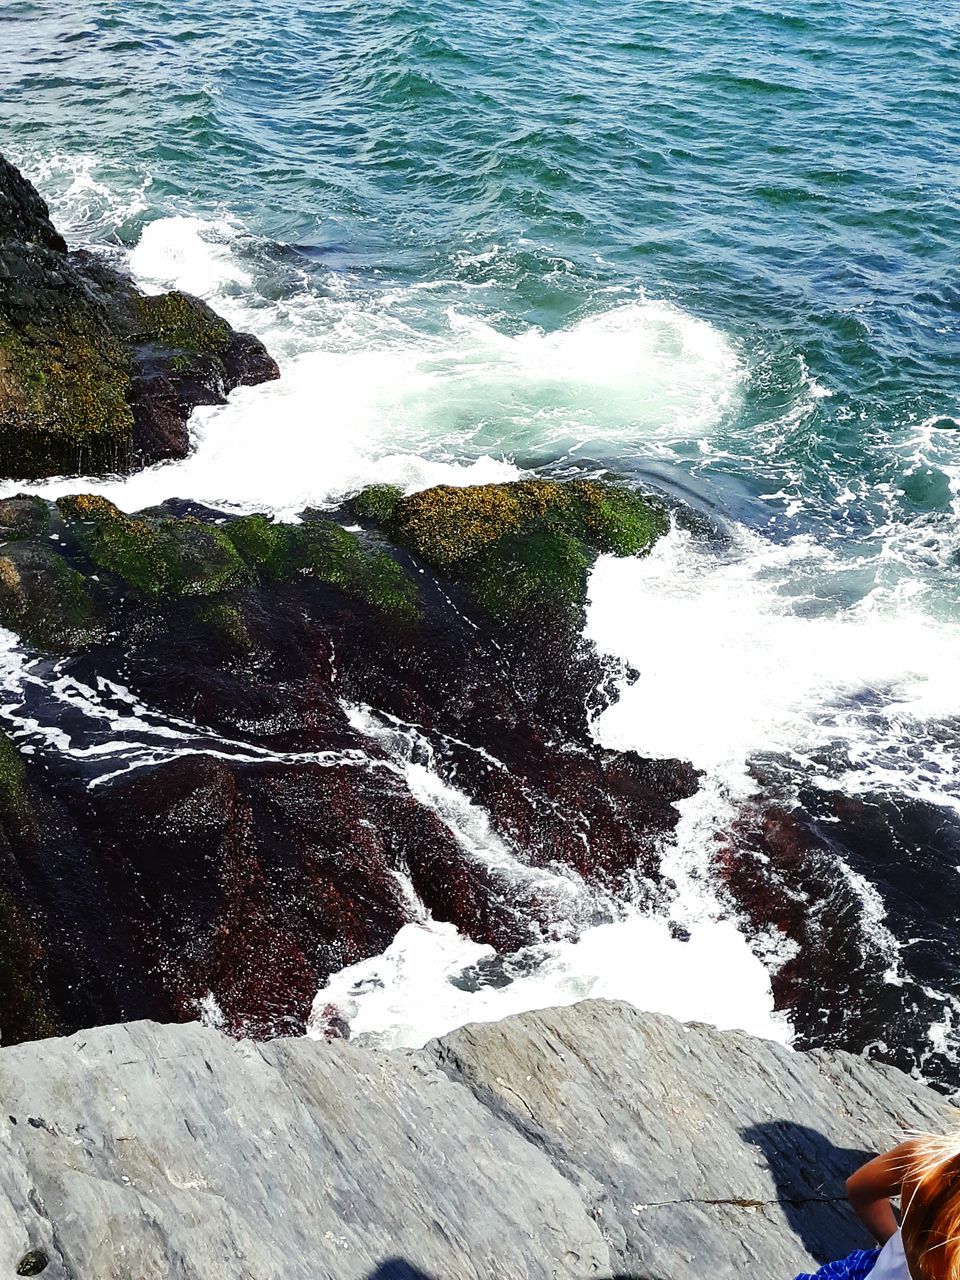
163	557
182	323
63	395
446	525
525	544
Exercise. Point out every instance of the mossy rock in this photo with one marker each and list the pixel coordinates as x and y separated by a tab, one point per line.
520	546
23	515
45	601
162	557
180	322
522	572
262	545
94	376
377	502
324	550
68	590
64	381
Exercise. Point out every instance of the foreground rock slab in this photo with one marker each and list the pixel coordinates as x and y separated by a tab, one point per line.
588	1141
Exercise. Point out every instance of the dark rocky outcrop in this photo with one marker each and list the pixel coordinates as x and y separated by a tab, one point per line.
94	375
815	869
258	839
588	1141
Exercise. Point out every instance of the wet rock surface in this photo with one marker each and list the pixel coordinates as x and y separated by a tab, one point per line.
95	375
815	869
588	1141
209	788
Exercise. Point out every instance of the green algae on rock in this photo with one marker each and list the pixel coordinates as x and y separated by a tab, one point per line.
159	557
64	381
44	600
95	376
326	551
518	545
183	323
23	515
377	502
70	567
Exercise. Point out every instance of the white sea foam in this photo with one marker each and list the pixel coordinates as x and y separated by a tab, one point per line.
747	657
387	387
420	986
428	980
192	254
89	198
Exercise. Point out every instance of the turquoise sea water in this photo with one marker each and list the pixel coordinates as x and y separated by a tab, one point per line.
710	245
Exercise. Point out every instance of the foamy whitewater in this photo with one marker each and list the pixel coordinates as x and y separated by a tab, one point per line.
735	290
736	664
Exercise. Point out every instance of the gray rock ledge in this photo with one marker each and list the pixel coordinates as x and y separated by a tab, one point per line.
587	1141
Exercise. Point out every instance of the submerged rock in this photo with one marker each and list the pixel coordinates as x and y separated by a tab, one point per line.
94	375
588	1141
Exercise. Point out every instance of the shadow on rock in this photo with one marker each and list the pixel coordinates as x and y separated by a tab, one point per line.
398	1269
809	1173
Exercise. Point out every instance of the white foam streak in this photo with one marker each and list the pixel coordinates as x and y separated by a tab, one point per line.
571	900
111	732
432	979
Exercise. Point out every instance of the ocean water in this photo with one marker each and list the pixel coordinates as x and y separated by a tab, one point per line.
711	247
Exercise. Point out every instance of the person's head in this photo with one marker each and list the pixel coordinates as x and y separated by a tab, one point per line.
931	1209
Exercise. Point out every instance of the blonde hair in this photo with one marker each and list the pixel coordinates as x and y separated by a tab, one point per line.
931	1208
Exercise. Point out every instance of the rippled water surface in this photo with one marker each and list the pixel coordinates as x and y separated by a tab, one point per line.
712	246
